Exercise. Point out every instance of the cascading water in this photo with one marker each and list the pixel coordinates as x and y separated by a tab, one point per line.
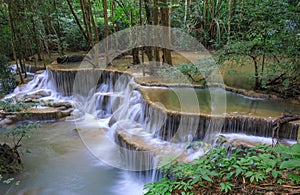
43	81
130	105
144	129
148	122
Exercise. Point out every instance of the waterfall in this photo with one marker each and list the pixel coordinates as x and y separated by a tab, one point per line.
139	122
41	82
144	128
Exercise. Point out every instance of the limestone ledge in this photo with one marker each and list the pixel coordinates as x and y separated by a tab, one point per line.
35	114
152	150
149	80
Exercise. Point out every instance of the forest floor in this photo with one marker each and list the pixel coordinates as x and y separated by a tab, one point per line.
231	72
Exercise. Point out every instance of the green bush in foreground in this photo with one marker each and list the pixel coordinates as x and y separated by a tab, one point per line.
10	159
244	170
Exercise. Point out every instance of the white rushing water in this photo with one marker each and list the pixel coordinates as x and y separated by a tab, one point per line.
42	83
91	159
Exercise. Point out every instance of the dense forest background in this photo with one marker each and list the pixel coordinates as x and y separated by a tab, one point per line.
263	33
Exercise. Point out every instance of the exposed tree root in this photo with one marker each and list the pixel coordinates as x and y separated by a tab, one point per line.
285	118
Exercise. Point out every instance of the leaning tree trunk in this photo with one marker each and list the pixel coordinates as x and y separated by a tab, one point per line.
285	118
11	29
78	22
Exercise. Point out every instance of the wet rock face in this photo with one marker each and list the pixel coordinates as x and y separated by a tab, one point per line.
7	119
9	160
50	110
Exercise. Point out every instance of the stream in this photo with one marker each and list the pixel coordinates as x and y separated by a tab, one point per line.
60	163
83	156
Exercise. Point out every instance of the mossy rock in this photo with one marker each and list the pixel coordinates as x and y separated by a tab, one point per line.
9	160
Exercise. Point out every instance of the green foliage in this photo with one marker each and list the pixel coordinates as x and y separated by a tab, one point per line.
11	161
208	28
14	105
291	156
18	133
200	71
267	32
226	186
222	167
164	186
7	78
9	180
192	71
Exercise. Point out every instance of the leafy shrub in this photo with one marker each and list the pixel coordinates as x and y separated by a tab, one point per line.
14	105
291	155
10	161
18	133
223	170
7	79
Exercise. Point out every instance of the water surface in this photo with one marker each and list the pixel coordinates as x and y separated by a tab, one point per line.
60	163
171	98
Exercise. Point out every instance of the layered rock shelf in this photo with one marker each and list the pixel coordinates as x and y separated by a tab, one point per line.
115	87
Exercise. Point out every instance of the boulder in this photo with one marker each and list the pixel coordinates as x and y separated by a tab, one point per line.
5	122
2	123
75	114
28	100
40	94
12	117
68	59
46	102
67	112
60	104
62	108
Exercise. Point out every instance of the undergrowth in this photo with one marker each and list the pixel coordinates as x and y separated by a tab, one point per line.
15	105
233	169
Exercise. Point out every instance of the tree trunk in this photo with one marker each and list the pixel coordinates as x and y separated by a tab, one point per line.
57	31
78	22
86	22
135	51
59	46
12	41
135	54
148	12
256	74
276	124
96	36
141	24
205	13
37	42
45	34
229	20
155	22
167	58
104	4
148	50
185	12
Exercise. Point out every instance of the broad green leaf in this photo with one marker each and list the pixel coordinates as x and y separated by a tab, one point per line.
290	164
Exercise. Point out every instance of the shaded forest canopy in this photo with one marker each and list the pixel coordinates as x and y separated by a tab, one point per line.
264	33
